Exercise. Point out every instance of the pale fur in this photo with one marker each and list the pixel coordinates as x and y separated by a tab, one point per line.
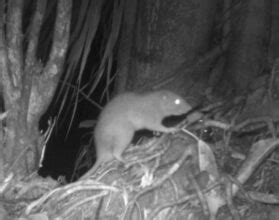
127	113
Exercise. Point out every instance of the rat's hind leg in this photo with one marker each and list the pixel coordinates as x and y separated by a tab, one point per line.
122	141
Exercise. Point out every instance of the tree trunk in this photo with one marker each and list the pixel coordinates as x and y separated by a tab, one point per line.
247	54
28	85
167	37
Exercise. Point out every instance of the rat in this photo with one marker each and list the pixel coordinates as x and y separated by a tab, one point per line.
129	112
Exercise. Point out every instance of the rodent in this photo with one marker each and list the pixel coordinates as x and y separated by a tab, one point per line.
127	113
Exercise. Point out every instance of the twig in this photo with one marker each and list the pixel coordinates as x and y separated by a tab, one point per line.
200	195
274	71
229	196
159	182
180	201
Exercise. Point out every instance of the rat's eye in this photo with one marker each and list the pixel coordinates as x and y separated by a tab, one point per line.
177	101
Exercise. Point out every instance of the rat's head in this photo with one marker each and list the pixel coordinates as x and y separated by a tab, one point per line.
173	104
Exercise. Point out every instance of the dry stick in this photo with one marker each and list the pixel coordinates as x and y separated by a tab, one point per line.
240	186
46	135
5	183
180	201
211	107
200	195
139	211
86	96
91	186
159	182
275	70
257	155
81	202
171	204
175	188
3	115
264	198
98	209
268	120
151	157
158	142
217	124
229	196
229	133
68	190
241	125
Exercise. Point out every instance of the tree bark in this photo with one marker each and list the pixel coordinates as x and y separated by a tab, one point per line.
167	34
246	57
28	84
